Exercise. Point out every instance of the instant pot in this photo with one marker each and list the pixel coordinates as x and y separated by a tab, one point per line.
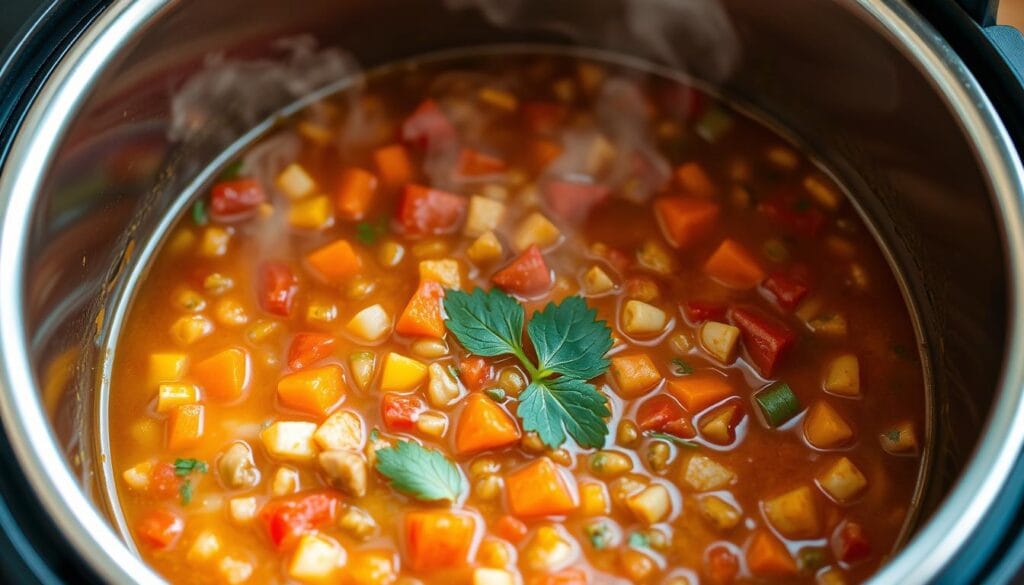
109	110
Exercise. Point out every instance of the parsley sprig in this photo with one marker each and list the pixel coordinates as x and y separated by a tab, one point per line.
424	474
184	468
570	344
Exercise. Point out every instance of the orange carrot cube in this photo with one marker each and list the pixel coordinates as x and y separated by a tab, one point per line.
484	425
733	266
224	376
540	489
354	193
185	426
685	220
335	262
314	391
634	374
422	316
699	391
438	539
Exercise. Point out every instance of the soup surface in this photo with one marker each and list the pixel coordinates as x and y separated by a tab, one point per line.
510	320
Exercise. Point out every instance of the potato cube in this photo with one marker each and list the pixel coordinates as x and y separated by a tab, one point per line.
843	376
230	313
214	242
794	514
204	547
401	373
432	424
719	340
487	248
137	476
444	272
311	214
597	282
371	324
549	550
535	229
167	367
363	365
825	428
234	571
704	474
284	482
900	439
489	576
242	510
842	481
594	499
341	430
640	318
484	215
190	329
295	182
655	257
721	515
316	558
290	440
442	387
634	374
171	396
652	505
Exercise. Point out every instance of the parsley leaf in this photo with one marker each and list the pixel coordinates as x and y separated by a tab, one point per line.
546	406
232	171
681	368
185	491
487	324
424	474
639	540
673	439
600	535
570	340
367	233
183	467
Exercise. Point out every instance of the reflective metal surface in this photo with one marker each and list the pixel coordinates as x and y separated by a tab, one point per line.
872	90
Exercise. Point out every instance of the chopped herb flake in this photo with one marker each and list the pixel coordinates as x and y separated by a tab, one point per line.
495	394
199	214
232	171
673	439
599	534
893	435
639	540
681	368
185	491
183	467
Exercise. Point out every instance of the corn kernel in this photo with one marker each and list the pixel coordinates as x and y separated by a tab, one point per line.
822	192
215	241
189	300
205	546
498	98
594	499
216	283
230	313
390	253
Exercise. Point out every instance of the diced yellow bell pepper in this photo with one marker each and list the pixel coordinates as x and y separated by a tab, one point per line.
402	373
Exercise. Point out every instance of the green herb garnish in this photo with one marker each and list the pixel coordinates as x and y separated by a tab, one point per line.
232	171
673	439
681	368
639	540
199	214
810	559
453	372
185	491
495	394
375	435
893	435
367	233
183	467
424	474
599	535
570	344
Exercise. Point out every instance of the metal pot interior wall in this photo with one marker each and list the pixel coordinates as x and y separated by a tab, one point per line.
816	69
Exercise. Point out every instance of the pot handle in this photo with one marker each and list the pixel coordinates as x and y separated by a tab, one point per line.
1006	40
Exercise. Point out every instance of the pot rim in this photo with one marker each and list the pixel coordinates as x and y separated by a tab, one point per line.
30	435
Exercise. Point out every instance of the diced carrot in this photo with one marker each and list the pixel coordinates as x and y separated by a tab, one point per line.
766	556
573	200
473	163
438	539
539	489
526	276
510	528
543	152
185	426
685	220
159	528
733	266
662	413
307	348
401	411
563	577
428	127
423	211
475	372
693	180
354	193
335	262
721	565
699	391
224	375
314	391
634	374
422	315
393	165
484	425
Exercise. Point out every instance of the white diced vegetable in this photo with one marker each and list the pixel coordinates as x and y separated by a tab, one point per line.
487	576
484	215
290	440
371	324
316	558
535	229
234	571
549	550
341	430
652	505
720	514
640	318
295	182
137	477
842	480
444	272
597	282
794	514
719	339
705	474
205	546
442	387
242	510
284	482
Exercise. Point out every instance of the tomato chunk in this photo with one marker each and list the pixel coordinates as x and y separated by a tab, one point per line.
423	211
663	413
573	200
235	199
700	311
308	348
787	291
278	286
527	276
163	481
473	163
428	127
765	338
287	519
850	544
400	411
160	528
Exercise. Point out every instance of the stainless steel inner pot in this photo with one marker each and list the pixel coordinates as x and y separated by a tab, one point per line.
105	149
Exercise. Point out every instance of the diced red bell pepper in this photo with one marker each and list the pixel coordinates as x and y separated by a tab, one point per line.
721	565
787	292
765	338
159	528
850	543
308	348
681	102
663	413
795	213
475	372
235	199
400	411
573	200
287	519
700	311
428	127
278	286
473	163
543	117
163	481
527	276
423	211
